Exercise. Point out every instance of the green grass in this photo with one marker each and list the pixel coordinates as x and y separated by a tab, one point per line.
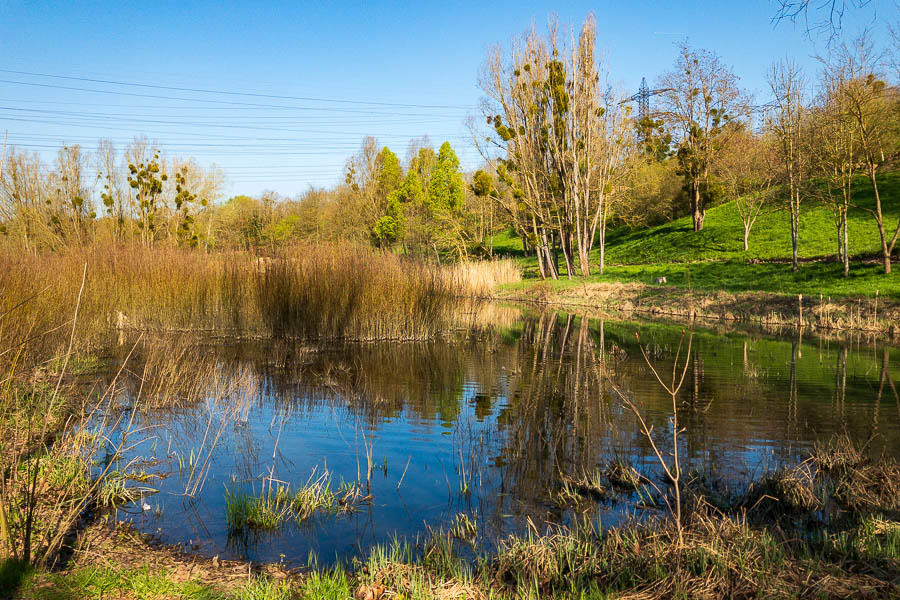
316	494
722	234
733	276
98	583
267	510
713	259
271	508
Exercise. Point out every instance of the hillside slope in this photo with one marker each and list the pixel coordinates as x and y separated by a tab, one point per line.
770	239
714	259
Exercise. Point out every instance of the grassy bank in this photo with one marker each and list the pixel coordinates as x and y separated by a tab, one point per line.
879	315
814	278
714	260
827	528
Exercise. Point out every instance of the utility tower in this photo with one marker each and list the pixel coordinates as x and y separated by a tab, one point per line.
643	98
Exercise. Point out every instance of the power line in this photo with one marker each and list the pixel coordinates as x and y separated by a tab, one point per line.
230	93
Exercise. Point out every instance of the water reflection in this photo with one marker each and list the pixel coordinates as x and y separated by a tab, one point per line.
486	422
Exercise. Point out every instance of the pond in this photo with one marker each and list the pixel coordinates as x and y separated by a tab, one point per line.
487	422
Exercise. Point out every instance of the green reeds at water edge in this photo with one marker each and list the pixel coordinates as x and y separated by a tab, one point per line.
277	503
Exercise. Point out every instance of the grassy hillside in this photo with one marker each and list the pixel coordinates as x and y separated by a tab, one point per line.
722	235
714	258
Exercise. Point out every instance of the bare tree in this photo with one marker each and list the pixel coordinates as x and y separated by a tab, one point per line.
818	15
595	144
854	71
145	179
746	169
835	159
563	136
22	196
787	121
71	205
362	177
518	107
700	103
3	153
113	195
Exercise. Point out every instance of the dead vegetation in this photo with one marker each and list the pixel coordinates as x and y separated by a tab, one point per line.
876	316
788	548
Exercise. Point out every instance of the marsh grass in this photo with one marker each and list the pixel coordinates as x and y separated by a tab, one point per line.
47	445
315	495
116	490
463	527
786	491
591	484
318	496
738	553
267	510
62	442
320	292
623	475
482	278
278	502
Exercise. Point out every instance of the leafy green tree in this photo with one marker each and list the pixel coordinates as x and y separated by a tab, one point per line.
389	174
485	197
411	190
389	229
447	190
423	164
389	226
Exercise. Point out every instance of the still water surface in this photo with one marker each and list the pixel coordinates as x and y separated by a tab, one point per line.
487	422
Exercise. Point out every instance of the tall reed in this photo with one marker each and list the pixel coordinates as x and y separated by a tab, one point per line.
326	291
481	278
339	291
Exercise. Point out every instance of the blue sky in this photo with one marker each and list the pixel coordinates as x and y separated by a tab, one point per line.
342	71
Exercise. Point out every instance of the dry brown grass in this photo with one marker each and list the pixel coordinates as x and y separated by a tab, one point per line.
481	278
316	291
787	491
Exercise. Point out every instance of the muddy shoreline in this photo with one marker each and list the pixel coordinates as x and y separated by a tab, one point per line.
875	317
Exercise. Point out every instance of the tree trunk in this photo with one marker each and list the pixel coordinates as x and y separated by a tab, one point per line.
746	237
585	263
552	270
554	240
879	218
565	241
538	250
795	232
846	256
698	211
602	229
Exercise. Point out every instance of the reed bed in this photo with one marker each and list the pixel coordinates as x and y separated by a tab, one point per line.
341	292
481	278
328	291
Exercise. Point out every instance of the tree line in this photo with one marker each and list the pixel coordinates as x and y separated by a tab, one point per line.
565	156
575	157
426	206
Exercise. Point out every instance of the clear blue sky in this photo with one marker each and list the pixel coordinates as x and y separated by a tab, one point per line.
418	60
